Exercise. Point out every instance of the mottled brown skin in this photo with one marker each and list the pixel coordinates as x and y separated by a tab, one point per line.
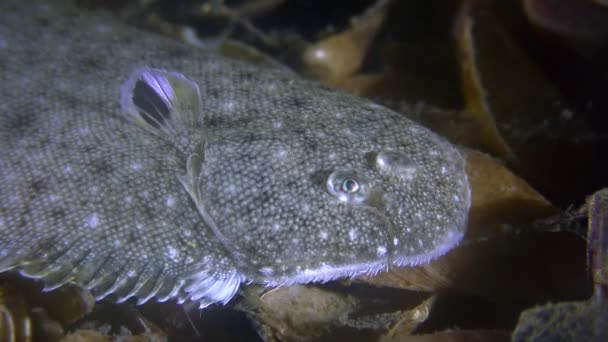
233	174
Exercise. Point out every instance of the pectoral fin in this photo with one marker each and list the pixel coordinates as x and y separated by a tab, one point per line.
165	103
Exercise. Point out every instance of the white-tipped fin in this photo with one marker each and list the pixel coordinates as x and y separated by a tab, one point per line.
207	287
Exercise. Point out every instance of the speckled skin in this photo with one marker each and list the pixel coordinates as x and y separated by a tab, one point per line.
273	179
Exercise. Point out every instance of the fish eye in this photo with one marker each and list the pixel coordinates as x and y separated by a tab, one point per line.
395	164
348	186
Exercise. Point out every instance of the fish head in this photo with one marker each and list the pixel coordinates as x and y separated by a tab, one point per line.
303	198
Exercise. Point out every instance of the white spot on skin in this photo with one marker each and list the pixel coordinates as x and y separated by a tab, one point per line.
456	198
116	243
282	153
419	215
231	189
135	166
381	250
128	199
67	168
230	105
172	253
267	271
352	234
277	124
348	132
276	227
444	170
323	235
395	241
170	201
420	243
131	273
93	220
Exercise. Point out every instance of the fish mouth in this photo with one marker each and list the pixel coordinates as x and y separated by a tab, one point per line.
357	189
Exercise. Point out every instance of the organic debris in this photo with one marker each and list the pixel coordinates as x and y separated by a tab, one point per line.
580	320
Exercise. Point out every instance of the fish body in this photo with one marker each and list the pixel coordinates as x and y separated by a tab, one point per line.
133	165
